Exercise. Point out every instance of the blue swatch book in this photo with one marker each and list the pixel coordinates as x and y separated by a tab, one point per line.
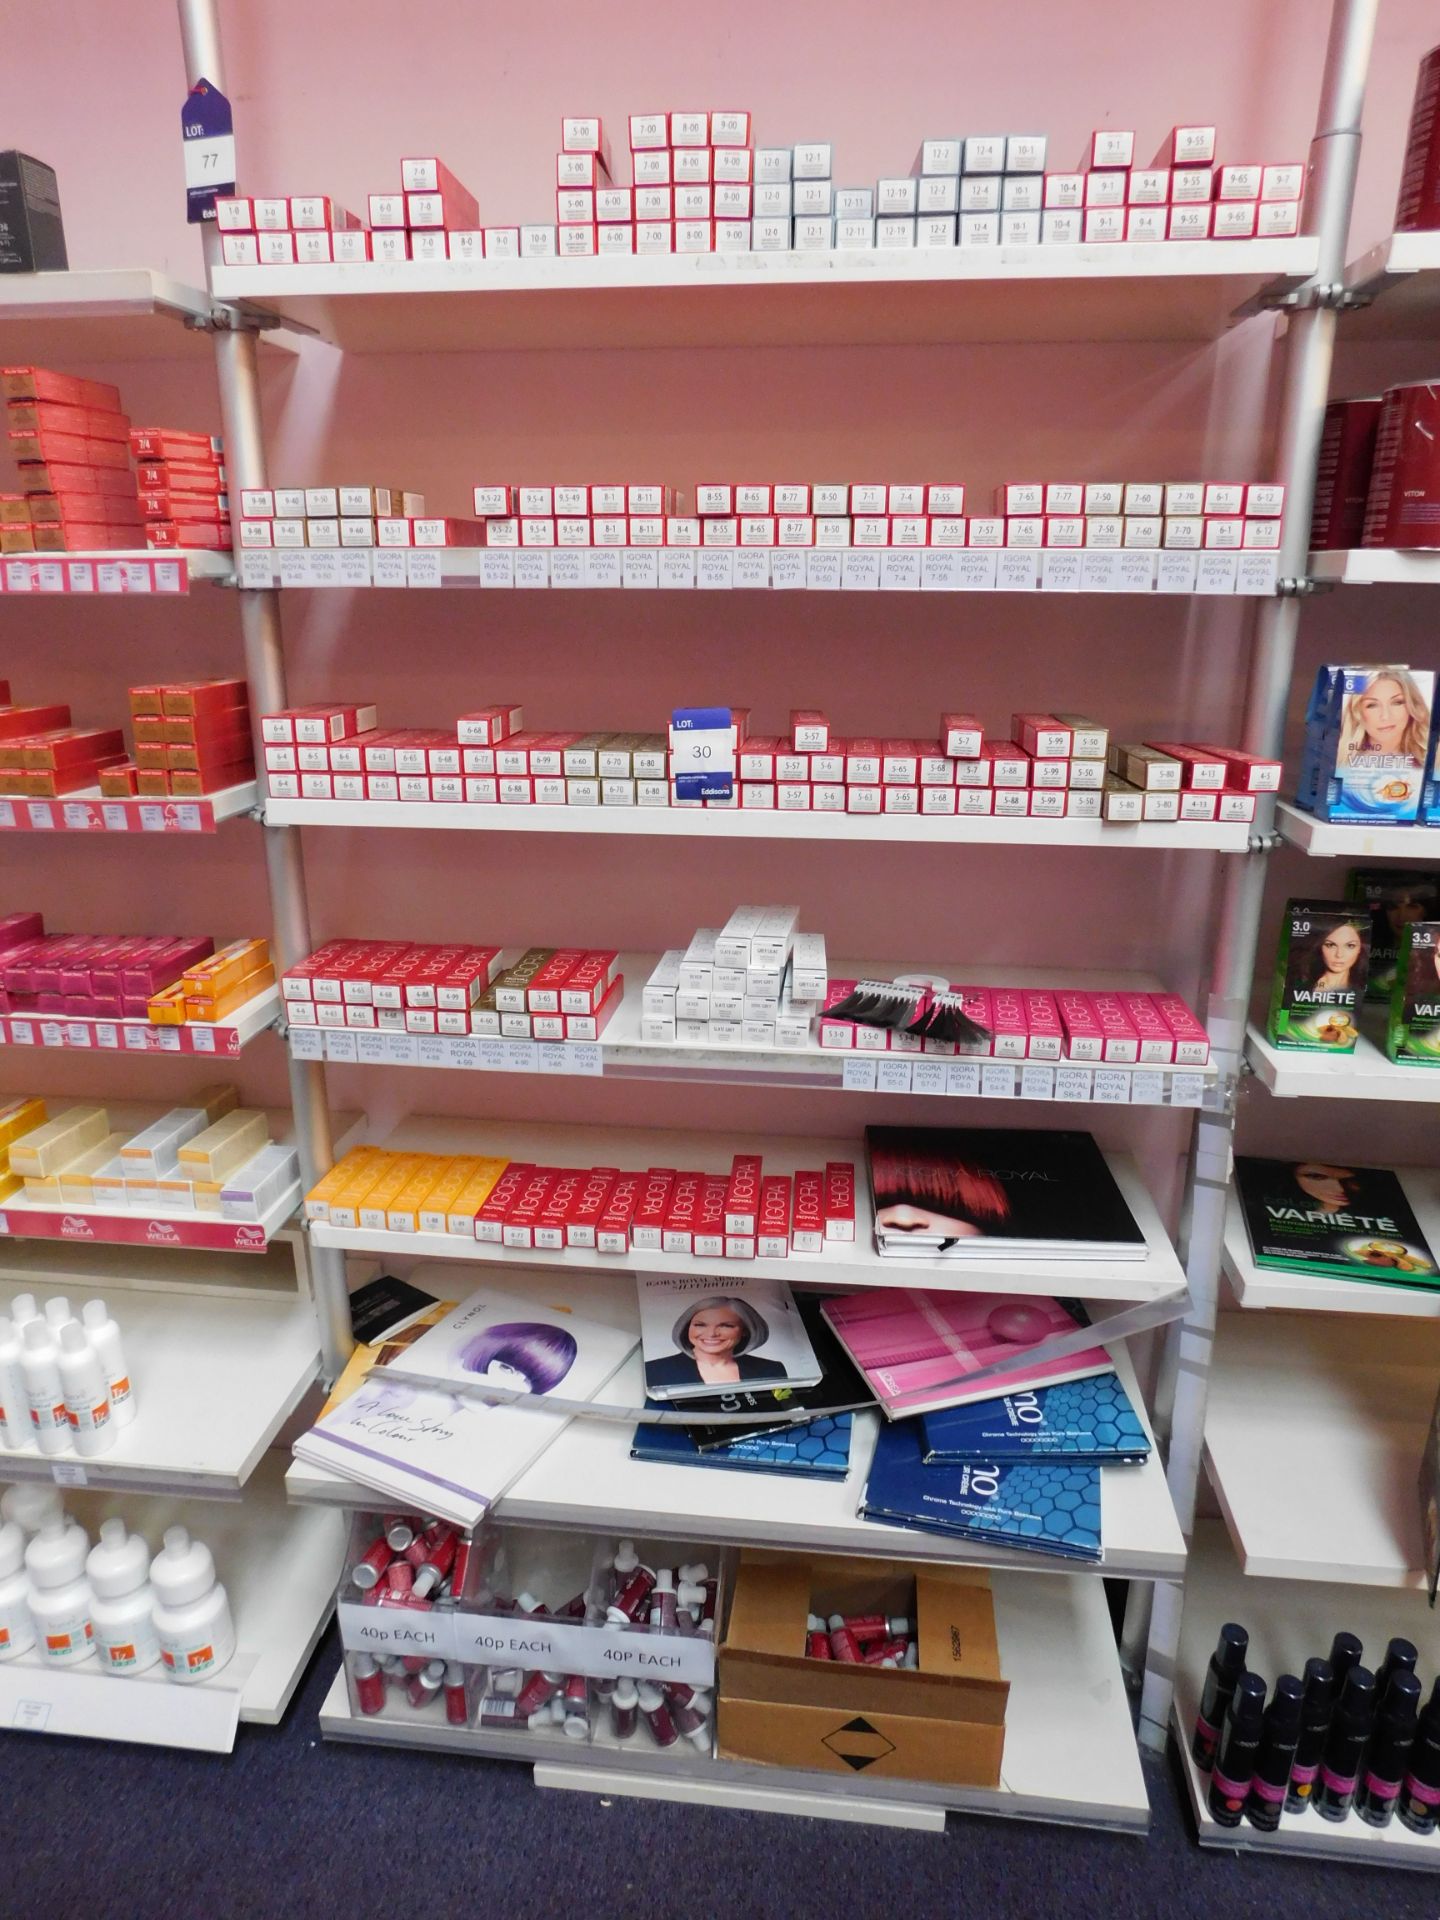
1082	1422
813	1448
1038	1507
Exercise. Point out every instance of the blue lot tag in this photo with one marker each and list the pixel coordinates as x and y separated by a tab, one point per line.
702	753
207	131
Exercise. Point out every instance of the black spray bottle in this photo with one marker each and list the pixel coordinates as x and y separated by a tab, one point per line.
1315	1719
1388	1760
1401	1656
1346	1652
1350	1731
1238	1751
1227	1663
1420	1796
1278	1740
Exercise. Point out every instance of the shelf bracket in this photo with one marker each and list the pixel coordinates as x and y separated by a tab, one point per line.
1333	295
222	318
1302	586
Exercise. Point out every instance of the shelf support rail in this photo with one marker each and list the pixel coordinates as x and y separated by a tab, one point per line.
1308	348
237	372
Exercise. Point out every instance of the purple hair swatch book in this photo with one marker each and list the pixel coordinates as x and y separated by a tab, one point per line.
455	1456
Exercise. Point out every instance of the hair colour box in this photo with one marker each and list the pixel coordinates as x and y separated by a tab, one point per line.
1412	1034
1320	970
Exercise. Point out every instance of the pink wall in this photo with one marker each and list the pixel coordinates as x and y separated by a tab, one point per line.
327	97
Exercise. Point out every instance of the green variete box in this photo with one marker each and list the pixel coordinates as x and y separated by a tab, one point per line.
1412	1032
1320	971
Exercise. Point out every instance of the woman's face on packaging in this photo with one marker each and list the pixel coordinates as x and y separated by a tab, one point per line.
1384	714
714	1333
903	1218
1326	1185
1341	949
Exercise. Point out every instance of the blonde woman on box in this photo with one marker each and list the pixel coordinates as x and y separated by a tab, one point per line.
1388	716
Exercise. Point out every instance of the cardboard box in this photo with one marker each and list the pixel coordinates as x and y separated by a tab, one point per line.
943	1721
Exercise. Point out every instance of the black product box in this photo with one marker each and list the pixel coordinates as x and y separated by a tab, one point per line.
32	234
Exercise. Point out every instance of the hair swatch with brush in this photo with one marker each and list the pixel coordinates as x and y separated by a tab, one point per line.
917	1009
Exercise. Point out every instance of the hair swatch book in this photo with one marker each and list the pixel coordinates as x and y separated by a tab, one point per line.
917	1347
1040	1507
814	1449
993	1193
1083	1422
1317	1216
453	1455
705	1333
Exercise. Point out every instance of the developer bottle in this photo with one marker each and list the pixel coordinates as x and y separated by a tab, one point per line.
30	1504
123	1607
87	1404
17	1629
1314	1730
1388	1759
15	1434
1345	1748
1227	1663
40	1366
1238	1750
104	1335
1278	1739
59	1592
192	1610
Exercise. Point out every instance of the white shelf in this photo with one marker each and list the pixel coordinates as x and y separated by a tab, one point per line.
160	572
1288	1621
89	1267
586	1479
1314	1430
843	1264
1316	1293
279	1565
215	1380
112	313
159	1231
1169	290
736	824
1364	1074
1377	566
1402	276
1167	571
623	1053
207	1039
90	811
1070	1752
1321	838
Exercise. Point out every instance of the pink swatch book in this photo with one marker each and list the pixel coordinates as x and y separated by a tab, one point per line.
917	1349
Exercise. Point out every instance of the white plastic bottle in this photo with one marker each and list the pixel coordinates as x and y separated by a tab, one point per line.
104	1335
87	1405
57	1313
14	1402
30	1504
17	1629
123	1604
23	1310
40	1365
59	1592
192	1610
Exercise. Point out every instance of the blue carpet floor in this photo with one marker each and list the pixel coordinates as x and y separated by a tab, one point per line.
289	1825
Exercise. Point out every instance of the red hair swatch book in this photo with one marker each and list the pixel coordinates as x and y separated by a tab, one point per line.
917	1348
982	1193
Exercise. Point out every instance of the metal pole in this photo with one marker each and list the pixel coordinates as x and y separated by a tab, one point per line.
237	372
1309	347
